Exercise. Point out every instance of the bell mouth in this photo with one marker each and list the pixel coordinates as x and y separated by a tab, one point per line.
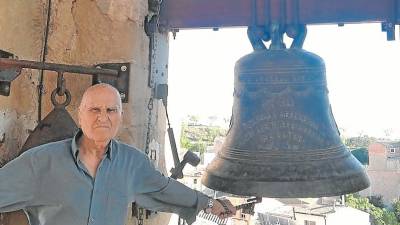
299	189
306	179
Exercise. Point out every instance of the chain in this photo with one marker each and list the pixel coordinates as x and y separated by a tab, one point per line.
150	106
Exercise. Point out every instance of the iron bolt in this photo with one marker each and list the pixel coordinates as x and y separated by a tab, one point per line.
122	95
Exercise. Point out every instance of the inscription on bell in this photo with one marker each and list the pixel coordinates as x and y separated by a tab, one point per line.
288	77
289	130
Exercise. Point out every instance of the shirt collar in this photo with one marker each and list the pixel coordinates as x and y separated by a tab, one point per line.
75	146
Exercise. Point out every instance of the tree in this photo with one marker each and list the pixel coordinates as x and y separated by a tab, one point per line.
358	202
389	217
377	201
360	141
396	209
196	138
380	216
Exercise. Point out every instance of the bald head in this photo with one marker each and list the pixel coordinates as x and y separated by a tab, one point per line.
100	89
100	112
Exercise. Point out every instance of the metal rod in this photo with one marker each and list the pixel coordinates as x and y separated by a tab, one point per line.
43	59
12	63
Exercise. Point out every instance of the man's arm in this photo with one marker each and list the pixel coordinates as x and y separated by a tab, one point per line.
18	183
160	193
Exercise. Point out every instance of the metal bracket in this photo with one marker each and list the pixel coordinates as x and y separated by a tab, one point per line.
8	55
161	92
115	74
158	71
6	76
121	83
189	157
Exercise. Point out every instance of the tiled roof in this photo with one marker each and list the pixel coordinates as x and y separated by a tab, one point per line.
319	210
292	201
391	144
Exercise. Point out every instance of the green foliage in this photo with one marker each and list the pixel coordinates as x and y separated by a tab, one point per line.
389	217
377	201
358	202
396	209
196	137
360	141
381	216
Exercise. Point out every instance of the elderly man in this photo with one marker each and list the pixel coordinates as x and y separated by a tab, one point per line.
91	178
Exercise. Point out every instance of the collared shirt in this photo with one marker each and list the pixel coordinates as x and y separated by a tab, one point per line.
53	186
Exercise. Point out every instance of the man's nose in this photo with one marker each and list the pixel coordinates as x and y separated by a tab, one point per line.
102	116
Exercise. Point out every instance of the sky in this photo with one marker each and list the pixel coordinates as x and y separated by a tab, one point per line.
363	74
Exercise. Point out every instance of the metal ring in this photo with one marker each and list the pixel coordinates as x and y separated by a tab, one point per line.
67	98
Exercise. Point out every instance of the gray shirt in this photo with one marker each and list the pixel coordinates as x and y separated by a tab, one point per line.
53	186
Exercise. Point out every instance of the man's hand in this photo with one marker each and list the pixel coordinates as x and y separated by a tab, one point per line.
223	208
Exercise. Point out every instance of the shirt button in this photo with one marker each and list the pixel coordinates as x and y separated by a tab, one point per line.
91	220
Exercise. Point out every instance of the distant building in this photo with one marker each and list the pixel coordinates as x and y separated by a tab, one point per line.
274	211
330	215
384	171
307	212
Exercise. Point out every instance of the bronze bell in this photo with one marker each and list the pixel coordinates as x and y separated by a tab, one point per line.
283	140
56	126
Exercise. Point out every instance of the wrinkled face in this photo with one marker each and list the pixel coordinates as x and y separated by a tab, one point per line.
100	113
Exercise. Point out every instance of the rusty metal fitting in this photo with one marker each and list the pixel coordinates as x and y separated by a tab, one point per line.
63	104
60	84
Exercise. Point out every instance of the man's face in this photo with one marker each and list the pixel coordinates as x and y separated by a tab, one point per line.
100	114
